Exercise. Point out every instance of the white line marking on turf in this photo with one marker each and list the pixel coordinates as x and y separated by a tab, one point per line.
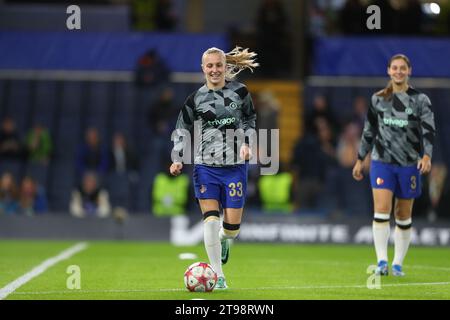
340	263
430	268
232	289
36	271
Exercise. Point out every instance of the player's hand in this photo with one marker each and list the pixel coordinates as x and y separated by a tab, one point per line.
424	165
357	170
175	168
245	153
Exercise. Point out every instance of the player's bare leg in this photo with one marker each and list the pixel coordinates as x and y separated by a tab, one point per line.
230	229
382	199
402	235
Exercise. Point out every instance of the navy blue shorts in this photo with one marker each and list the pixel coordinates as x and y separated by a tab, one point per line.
227	185
404	182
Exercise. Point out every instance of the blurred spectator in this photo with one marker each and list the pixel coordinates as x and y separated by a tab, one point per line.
352	17
348	144
326	138
273	38
161	117
122	180
317	20
92	155
443	204
162	114
32	199
433	204
142	14
151	70
321	109
276	192
170	194
439	192
10	144
8	194
122	158
359	111
89	199
267	110
39	145
314	156
165	17
253	200
346	194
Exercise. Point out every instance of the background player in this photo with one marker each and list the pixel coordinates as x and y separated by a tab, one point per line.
399	130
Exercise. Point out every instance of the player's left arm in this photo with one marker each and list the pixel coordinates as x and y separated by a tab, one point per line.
427	126
249	122
183	127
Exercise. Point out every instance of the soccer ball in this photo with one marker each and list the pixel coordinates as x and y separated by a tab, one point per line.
200	277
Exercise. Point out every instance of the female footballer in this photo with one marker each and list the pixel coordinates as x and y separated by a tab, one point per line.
220	167
399	131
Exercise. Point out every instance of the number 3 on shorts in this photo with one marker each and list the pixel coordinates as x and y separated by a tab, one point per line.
235	189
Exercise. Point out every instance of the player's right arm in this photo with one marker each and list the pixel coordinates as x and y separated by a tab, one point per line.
358	170
184	126
175	168
367	139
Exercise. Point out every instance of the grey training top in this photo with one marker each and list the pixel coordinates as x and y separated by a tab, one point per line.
217	115
399	131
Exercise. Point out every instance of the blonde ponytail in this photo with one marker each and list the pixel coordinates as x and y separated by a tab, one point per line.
236	60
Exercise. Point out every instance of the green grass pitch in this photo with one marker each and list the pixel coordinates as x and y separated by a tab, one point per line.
146	270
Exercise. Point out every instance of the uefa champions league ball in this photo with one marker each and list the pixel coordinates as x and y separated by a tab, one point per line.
200	277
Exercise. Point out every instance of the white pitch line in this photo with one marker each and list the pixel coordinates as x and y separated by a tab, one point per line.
232	289
340	263
446	269
36	271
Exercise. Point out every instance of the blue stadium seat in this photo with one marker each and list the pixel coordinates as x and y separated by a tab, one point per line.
99	98
15	167
365	92
19	103
143	196
68	137
3	84
341	101
73	94
123	113
96	110
61	184
118	187
46	104
39	172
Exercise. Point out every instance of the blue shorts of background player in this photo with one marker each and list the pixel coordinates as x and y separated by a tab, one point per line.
227	185
404	182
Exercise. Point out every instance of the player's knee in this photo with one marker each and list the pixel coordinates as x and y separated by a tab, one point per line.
381	217
211	215
404	224
231	230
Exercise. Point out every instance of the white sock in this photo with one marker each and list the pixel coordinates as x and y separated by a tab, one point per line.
227	235
402	238
213	248
381	231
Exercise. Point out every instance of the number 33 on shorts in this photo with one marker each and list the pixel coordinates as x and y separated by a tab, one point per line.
235	189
